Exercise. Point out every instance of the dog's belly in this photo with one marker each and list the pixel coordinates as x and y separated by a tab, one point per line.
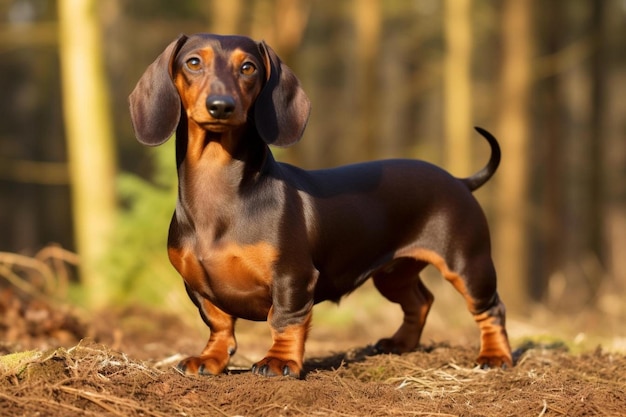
236	278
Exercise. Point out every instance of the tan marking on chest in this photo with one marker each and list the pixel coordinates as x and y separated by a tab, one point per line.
234	268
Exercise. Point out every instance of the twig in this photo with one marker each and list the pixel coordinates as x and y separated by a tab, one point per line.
90	396
29	263
95	398
18	282
59	257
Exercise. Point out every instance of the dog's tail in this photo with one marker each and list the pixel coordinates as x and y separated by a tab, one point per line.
482	176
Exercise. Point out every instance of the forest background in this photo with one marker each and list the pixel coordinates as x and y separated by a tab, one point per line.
386	79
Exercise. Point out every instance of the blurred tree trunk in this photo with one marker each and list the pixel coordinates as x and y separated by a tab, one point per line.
552	228
393	99
281	23
511	228
615	152
583	101
225	16
457	116
363	91
89	140
597	197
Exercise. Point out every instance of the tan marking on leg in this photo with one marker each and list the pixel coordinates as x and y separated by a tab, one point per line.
286	356
218	350
495	350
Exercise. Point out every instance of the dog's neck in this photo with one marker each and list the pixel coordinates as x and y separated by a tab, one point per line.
240	145
218	166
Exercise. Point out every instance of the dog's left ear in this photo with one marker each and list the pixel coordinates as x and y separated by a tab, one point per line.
155	103
282	108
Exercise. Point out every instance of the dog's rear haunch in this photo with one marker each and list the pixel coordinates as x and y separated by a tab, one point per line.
262	240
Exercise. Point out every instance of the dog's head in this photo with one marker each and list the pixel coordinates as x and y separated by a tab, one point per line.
220	83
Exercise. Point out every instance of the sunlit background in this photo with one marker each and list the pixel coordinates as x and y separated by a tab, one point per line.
84	209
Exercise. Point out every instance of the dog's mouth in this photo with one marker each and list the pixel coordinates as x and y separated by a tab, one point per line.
218	126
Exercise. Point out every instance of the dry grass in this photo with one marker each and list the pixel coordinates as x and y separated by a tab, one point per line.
120	363
90	379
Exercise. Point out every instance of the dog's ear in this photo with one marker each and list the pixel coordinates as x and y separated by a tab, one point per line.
154	103
282	108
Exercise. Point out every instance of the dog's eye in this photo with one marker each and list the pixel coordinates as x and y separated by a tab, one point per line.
248	68
194	63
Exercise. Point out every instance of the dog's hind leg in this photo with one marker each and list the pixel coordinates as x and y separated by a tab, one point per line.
475	278
400	283
488	310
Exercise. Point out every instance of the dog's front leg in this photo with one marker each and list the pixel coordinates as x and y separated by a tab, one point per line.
220	347
222	344
286	356
289	319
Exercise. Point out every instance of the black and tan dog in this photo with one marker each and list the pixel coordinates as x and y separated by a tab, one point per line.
262	240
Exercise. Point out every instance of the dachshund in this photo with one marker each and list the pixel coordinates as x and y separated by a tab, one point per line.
257	239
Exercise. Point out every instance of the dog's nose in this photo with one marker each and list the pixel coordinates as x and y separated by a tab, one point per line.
220	107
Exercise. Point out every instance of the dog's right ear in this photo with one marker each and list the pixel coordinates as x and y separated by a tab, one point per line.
282	107
154	103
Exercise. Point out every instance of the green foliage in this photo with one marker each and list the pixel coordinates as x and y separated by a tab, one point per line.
138	265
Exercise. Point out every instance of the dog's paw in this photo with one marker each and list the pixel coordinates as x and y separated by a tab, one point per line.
200	366
495	361
389	345
270	366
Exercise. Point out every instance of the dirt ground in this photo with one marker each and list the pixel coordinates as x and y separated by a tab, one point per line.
55	363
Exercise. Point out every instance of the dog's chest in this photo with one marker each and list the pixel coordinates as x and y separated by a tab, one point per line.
236	277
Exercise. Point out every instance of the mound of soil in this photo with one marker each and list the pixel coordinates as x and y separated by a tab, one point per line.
57	365
91	379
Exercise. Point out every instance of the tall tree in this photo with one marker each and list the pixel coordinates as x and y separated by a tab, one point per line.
281	23
597	198
457	85
225	16
511	240
367	20
89	135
